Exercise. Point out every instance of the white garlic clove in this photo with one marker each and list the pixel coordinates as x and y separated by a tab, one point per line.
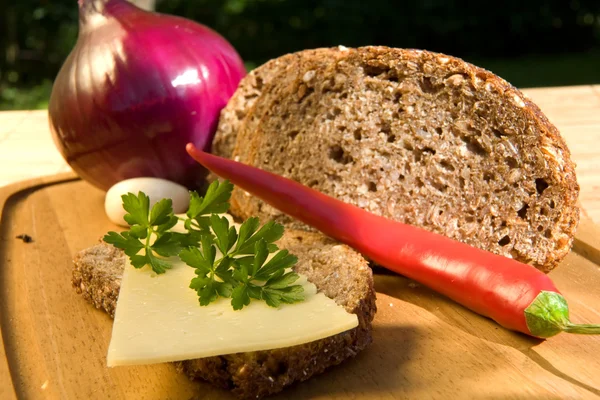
156	189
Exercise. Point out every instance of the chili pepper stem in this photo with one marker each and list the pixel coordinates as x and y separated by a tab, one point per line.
548	315
582	329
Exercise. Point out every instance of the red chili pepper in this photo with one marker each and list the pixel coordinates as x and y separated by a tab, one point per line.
516	295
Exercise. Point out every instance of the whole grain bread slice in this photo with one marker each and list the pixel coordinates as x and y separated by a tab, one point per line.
336	270
419	137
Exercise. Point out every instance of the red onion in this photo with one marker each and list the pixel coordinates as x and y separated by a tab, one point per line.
135	89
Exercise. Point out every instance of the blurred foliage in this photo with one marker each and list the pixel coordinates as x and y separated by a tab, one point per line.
261	29
35	38
27	97
530	43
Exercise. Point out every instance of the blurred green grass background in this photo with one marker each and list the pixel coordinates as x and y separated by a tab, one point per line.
530	44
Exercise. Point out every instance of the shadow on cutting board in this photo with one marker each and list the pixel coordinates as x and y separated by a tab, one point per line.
471	323
371	374
375	371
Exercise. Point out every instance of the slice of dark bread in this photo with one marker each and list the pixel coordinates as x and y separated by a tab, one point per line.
419	137
336	270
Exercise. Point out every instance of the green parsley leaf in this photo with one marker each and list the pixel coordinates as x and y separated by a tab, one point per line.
190	239
161	212
224	271
283	281
167	225
247	229
291	294
139	261
209	289
224	289
203	263
167	245
204	223
215	201
245	260
270	232
159	266
125	241
199	282
225	237
137	208
280	261
205	287
260	256
241	274
288	295
138	231
271	298
255	291
240	297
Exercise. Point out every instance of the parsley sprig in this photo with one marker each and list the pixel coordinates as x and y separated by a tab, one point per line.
242	271
144	225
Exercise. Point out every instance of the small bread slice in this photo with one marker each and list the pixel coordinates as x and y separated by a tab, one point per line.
337	271
419	137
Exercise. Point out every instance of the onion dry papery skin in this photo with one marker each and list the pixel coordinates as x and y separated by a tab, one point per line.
135	89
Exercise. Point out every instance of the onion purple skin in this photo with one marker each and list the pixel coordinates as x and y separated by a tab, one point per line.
136	88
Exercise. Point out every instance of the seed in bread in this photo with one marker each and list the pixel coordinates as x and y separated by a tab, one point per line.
419	137
336	270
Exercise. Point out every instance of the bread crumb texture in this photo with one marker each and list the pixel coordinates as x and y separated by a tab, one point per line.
423	138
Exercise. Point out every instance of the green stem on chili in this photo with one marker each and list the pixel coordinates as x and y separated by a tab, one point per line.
515	295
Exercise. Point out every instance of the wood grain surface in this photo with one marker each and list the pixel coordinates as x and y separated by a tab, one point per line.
425	346
27	149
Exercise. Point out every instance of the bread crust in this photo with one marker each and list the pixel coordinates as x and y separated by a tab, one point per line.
338	271
295	128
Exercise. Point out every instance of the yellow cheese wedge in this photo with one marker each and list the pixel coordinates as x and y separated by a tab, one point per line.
158	319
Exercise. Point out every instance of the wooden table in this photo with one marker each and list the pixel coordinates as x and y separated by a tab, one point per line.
27	150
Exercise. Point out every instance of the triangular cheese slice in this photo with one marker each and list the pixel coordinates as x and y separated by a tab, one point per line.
158	319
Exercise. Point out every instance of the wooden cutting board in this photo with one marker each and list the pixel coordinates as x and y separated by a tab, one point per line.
54	344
